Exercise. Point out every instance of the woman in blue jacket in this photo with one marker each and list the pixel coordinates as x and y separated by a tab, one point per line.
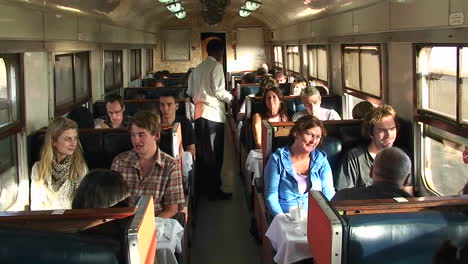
292	171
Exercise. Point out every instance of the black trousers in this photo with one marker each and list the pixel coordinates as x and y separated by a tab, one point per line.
210	151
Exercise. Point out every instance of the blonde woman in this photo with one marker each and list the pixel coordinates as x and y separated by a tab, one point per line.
57	175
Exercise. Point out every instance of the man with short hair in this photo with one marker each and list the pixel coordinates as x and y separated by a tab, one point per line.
159	83
206	86
380	126
312	100
280	77
389	173
149	171
168	105
115	117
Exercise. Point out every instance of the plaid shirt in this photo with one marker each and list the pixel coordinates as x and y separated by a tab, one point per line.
164	182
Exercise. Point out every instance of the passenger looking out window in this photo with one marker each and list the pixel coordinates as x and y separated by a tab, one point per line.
273	110
292	171
58	173
380	126
389	173
312	99
115	117
149	171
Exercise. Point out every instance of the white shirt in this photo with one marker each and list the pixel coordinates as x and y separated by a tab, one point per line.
322	114
42	195
206	86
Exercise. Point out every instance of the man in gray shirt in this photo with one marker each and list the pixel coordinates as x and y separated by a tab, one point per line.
391	170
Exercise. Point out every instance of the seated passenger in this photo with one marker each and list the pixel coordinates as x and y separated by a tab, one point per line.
273	110
168	105
159	83
261	72
312	100
321	86
265	83
361	109
149	171
101	188
139	95
280	77
115	117
292	171
82	116
298	86
390	171
57	175
380	126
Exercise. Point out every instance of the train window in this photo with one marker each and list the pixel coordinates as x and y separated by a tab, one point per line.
293	59
135	64
8	172
71	81
278	57
443	168
362	69
317	63
9	90
112	70
149	60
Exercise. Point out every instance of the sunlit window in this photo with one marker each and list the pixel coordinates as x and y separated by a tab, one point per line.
362	69
443	168
9	90
8	172
278	57
317	63
71	81
292	53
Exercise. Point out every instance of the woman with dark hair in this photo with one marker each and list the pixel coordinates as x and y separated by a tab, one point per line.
101	188
82	116
273	110
292	171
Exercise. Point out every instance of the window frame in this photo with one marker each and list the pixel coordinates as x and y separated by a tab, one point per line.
149	60
115	87
135	64
456	127
14	128
62	109
359	93
310	47
291	71
277	63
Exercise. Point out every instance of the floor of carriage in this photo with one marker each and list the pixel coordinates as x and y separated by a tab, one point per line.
221	233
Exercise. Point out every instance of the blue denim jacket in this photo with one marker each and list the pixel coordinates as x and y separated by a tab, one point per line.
281	188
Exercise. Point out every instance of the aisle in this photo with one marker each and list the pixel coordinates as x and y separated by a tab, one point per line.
221	234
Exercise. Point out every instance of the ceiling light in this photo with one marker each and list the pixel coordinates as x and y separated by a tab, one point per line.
244	13
174	6
252	5
165	1
181	14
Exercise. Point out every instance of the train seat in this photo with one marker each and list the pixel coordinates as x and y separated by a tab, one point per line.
153	92
384	231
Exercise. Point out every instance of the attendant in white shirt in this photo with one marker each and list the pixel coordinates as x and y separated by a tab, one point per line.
206	86
312	100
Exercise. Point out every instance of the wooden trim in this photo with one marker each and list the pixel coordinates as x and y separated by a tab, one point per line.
442	123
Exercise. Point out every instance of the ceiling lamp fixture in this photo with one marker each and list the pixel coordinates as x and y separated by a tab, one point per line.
165	1
252	5
212	11
174	6
243	12
248	7
181	14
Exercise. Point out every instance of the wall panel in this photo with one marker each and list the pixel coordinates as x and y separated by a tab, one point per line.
373	19
59	26
28	23
419	14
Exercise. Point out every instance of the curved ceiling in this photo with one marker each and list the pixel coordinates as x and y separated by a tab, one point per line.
150	15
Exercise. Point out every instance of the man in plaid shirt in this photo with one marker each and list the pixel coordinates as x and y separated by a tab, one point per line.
149	171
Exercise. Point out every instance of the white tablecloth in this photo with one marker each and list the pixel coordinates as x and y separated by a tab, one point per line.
254	163
170	234
290	245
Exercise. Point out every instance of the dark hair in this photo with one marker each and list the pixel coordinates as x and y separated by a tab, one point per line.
282	111
361	109
248	78
100	188
82	116
171	94
214	46
261	71
139	95
300	79
304	123
114	97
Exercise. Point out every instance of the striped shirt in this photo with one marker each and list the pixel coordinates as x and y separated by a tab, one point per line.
164	182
